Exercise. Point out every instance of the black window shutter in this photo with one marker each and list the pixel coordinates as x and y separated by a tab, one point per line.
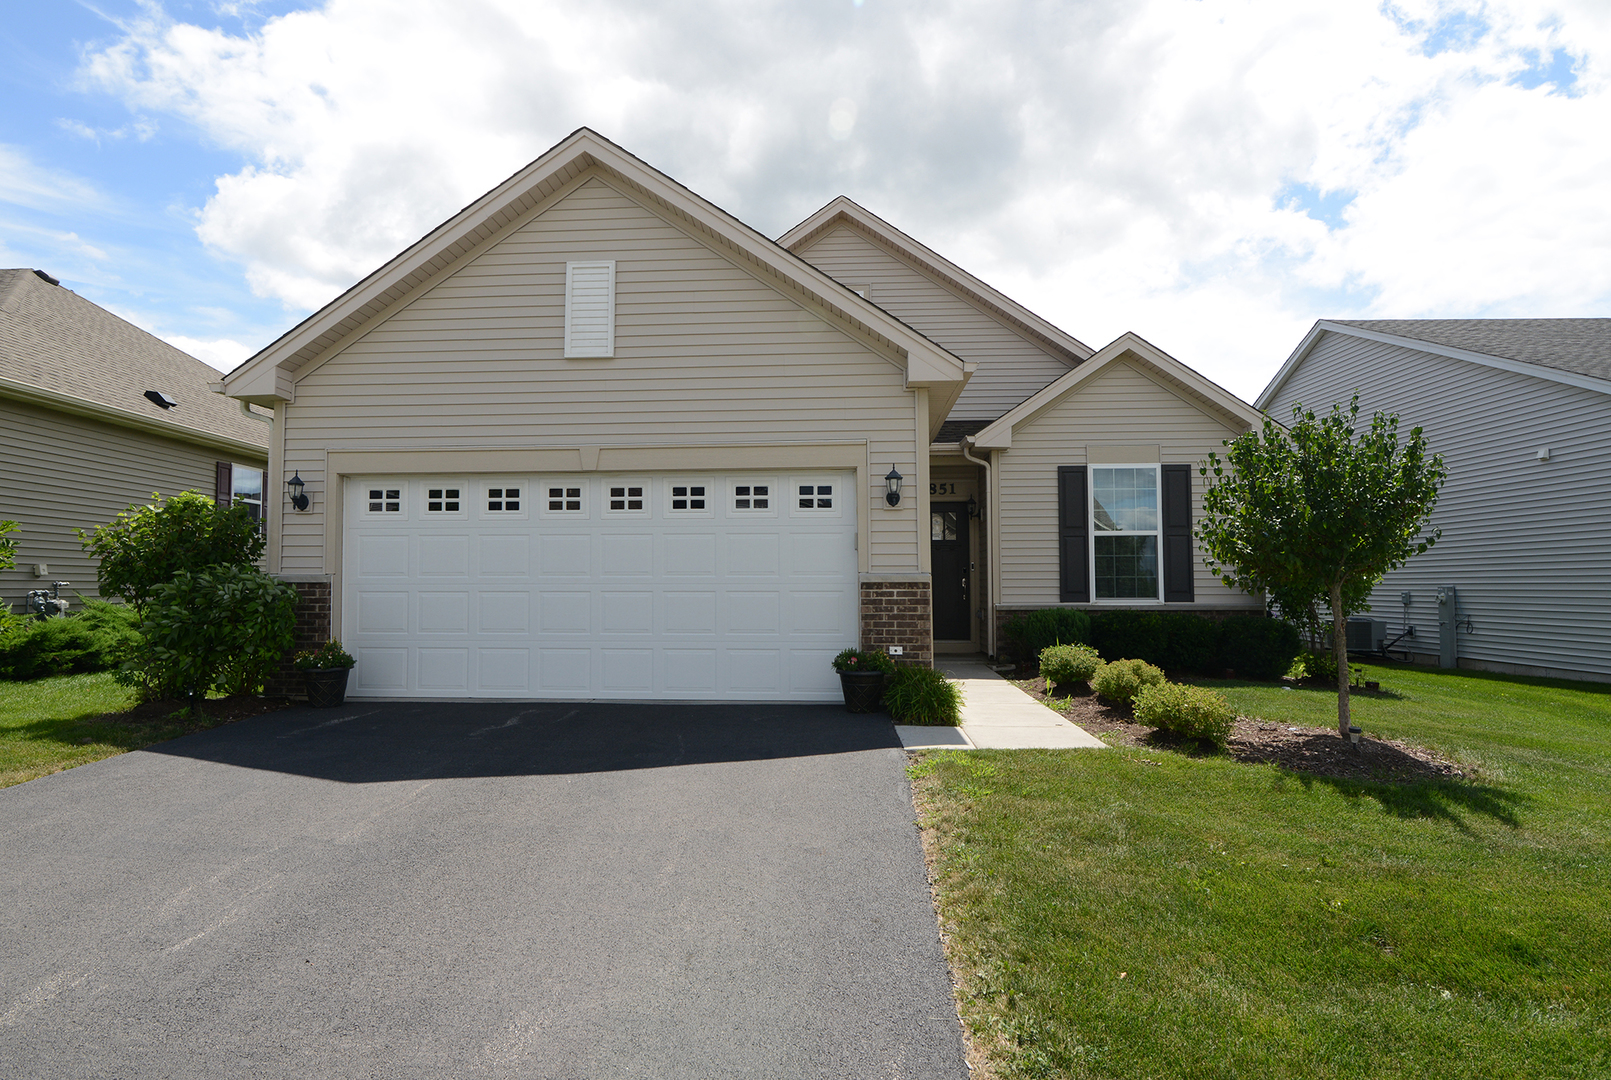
1073	536
1177	546
223	486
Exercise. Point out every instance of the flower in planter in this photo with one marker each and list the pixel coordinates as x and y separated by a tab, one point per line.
326	656
853	660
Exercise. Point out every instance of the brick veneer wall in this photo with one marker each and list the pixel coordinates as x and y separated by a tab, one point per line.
898	613
312	630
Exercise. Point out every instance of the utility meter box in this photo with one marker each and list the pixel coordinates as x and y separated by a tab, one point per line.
1448	626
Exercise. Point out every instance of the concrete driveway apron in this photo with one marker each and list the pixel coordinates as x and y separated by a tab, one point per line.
478	890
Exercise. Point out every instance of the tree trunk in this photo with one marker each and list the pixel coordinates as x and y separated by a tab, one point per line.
1339	649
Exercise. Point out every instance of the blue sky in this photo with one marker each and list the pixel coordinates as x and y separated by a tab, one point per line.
1212	174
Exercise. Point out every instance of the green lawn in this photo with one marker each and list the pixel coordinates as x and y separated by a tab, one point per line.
1140	913
51	724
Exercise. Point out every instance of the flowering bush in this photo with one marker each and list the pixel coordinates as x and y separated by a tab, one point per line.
852	660
326	656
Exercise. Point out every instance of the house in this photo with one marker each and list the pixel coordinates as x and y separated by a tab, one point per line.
595	437
97	415
1520	409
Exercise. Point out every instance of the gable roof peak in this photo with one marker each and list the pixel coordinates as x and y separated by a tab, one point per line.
270	375
843	210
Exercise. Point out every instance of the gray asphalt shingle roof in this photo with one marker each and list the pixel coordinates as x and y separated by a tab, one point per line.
53	339
1581	346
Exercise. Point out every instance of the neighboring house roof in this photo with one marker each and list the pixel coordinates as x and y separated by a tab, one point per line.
271	375
1188	383
61	351
1574	351
844	211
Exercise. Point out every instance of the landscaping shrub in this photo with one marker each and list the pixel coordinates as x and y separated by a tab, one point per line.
1066	665
147	546
921	695
1119	680
1138	634
1030	633
851	660
95	640
225	628
1191	642
1258	648
1321	666
1189	711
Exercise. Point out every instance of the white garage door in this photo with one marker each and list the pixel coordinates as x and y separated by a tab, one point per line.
733	586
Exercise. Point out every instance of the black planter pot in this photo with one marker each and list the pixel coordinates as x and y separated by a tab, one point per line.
327	687
864	690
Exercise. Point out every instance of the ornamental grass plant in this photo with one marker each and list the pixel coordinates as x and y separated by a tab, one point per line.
921	695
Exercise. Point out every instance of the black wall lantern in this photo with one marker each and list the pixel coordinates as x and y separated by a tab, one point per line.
892	487
295	486
973	508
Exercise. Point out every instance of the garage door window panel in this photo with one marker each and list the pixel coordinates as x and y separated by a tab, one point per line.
385	499
445	499
565	498
756	497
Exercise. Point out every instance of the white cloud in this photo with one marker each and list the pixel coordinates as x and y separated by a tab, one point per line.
222	353
24	182
1116	165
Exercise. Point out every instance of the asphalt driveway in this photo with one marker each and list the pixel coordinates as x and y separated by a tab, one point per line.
447	890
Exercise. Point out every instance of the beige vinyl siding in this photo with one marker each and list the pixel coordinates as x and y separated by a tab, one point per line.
1526	543
1011	367
60	472
1120	405
705	354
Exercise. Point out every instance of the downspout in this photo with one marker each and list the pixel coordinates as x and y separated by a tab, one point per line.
990	614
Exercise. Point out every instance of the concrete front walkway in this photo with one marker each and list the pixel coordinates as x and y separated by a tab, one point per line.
996	715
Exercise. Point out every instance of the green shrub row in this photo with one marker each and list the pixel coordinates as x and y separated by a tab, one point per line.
96	639
1251	645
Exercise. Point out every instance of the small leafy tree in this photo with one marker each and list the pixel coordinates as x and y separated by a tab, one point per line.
1314	515
223	627
146	546
8	546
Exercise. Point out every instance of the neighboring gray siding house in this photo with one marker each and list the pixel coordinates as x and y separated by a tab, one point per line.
83	441
1520	409
594	437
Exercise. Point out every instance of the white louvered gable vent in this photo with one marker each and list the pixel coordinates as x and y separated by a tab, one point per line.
590	308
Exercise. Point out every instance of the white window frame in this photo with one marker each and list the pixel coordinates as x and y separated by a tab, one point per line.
607	495
752	482
710	496
444	486
565	484
484	489
366	486
1156	533
237	470
581	341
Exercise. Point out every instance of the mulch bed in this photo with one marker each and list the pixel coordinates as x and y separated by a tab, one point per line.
1317	751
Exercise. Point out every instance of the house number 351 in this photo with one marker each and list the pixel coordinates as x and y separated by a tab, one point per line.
942	489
